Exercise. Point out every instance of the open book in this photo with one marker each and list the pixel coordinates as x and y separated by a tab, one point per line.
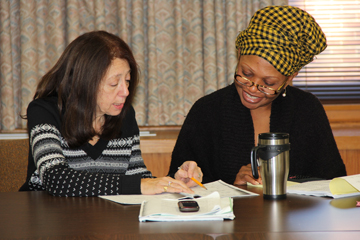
224	189
346	186
212	207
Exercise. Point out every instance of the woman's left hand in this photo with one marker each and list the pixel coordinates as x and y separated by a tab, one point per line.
245	175
188	170
163	184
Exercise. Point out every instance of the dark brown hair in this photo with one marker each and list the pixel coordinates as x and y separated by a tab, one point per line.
75	79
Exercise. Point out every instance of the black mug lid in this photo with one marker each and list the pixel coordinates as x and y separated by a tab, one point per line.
273	136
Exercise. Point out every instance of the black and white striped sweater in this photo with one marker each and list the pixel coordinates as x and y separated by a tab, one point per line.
107	168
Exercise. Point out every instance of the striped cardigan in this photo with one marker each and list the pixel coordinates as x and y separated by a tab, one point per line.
107	168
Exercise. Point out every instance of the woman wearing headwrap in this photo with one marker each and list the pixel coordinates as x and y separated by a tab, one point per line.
222	128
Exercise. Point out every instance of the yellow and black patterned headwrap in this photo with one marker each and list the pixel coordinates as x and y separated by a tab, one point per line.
285	36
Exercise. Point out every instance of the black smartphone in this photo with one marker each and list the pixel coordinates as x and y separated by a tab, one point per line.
188	206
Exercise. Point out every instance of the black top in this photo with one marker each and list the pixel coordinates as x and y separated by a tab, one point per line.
218	134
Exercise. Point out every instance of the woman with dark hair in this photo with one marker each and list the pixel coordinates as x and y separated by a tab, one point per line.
222	128
84	139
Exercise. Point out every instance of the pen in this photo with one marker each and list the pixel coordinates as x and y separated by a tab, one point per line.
196	181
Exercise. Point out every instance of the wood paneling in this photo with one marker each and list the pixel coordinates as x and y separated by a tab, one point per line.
345	114
156	150
157	163
345	123
13	164
351	160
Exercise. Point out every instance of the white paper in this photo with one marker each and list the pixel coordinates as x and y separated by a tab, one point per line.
321	188
354	180
313	188
224	189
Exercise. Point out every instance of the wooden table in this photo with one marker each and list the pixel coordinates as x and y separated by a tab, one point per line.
37	215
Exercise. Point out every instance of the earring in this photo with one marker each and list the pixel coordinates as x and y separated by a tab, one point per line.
284	93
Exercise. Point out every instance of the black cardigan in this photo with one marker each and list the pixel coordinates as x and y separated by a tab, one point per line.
218	134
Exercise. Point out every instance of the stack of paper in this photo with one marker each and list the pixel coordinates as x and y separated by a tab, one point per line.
212	207
337	188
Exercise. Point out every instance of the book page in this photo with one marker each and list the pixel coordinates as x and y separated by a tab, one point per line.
336	188
314	188
224	189
345	185
139	198
354	180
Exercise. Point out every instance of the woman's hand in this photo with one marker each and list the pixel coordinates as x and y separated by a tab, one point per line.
163	184
188	170
245	175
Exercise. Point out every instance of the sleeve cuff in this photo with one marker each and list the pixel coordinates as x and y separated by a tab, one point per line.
131	184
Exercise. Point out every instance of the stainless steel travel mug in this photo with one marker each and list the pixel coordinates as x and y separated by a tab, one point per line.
272	156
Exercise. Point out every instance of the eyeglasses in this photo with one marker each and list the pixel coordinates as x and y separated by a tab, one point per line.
246	82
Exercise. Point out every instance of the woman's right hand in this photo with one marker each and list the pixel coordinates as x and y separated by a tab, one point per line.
188	170
245	175
163	184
